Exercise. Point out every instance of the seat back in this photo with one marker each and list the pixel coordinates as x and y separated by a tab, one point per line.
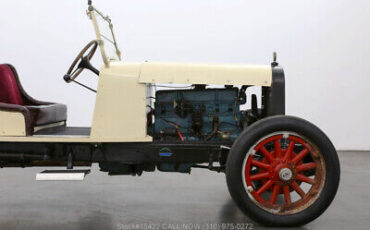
9	90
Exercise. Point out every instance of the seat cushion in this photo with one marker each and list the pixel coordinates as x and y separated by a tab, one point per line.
9	91
48	114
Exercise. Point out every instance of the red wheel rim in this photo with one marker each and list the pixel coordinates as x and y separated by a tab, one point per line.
284	173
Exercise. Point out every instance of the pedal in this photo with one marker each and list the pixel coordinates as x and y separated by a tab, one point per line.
62	175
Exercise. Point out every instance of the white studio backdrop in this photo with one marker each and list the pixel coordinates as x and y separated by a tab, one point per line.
324	47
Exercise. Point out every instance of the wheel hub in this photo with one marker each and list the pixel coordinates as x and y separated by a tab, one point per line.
285	174
279	170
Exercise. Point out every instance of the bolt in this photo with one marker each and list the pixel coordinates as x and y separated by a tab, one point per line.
285	174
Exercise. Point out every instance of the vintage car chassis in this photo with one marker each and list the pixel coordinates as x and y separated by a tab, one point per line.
280	170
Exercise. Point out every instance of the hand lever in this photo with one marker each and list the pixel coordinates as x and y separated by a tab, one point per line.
68	79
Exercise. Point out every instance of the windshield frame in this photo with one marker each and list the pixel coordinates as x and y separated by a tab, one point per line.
99	37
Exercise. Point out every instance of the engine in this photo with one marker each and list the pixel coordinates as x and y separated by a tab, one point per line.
197	114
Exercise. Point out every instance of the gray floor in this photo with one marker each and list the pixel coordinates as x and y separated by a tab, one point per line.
161	199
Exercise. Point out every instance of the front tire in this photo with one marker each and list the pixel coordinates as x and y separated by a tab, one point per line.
283	171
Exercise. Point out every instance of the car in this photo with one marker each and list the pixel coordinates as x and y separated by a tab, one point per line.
280	170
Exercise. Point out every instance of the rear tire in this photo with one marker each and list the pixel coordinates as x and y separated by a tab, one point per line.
275	160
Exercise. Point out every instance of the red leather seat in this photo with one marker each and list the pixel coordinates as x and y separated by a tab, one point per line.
9	91
14	98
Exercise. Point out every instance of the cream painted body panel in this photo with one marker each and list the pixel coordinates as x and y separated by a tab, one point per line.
211	74
12	124
120	107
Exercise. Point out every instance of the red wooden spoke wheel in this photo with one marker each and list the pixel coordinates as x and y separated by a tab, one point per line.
277	167
282	171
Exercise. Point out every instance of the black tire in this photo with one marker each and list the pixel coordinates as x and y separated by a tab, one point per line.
248	139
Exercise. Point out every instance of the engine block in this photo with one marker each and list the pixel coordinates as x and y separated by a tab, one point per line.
198	114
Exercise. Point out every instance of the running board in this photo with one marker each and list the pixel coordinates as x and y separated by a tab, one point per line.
62	175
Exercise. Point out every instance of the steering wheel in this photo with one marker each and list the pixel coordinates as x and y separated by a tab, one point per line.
84	63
